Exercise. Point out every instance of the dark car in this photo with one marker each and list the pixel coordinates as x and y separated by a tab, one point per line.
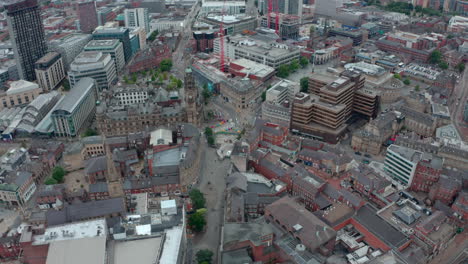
357	153
365	161
367	156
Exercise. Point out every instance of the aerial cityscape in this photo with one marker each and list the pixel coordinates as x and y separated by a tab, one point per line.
233	131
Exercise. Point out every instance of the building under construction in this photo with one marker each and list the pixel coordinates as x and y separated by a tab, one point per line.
288	25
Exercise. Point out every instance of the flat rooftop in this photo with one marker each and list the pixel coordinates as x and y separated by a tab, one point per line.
141	251
91	250
88	229
102	44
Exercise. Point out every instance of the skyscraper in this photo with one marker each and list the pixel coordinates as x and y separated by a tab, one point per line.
88	16
27	34
137	17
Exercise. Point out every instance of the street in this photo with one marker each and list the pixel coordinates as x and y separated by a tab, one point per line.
212	183
459	99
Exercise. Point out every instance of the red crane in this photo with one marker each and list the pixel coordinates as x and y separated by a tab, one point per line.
221	40
277	18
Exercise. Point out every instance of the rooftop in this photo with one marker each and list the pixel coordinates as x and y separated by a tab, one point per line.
86	250
141	251
79	230
102	44
21	86
74	97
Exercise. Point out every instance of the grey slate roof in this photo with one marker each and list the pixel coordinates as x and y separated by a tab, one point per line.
367	216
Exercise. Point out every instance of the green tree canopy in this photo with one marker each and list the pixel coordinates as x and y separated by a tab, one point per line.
435	57
197	221
166	65
66	84
208	131
407	82
204	255
304	84
89	133
397	76
283	71
294	66
303	61
58	173
460	67
443	65
50	181
263	96
198	199
211	140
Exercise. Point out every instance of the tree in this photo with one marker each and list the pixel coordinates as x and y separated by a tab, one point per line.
50	181
407	82
443	65
198	199
125	79
435	57
304	84
166	65
204	255
58	173
179	83
294	66
460	67
206	93
397	76
283	71
89	133
197	221
208	131
134	77
263	96
211	140
66	84
153	35
416	88
303	61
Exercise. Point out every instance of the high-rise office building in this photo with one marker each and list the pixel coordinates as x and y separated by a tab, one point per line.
50	71
27	35
327	8
96	65
323	114
137	17
290	7
122	34
109	46
88	16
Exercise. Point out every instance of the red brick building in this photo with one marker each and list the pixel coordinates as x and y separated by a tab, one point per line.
307	228
9	248
445	190
427	173
149	58
460	206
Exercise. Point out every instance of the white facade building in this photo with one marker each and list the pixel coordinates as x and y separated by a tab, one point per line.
137	17
400	164
96	65
112	47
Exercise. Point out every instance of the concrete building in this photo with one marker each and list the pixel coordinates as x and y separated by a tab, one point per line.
288	25
230	7
323	113
260	47
17	188
50	71
115	116
77	108
69	46
241	93
168	23
122	34
96	65
20	93
327	8
234	24
289	7
277	106
112	47
27	34
137	17
87	16
400	164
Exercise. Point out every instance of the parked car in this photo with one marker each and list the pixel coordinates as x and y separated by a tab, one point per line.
357	153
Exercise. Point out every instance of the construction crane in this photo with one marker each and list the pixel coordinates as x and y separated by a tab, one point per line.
277	18
270	10
222	67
